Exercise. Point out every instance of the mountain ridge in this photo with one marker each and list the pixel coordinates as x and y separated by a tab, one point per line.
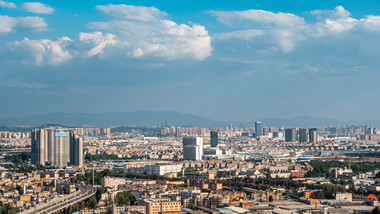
148	118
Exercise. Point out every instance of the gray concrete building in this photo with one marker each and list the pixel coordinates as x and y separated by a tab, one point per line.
313	135
192	148
291	135
302	135
56	147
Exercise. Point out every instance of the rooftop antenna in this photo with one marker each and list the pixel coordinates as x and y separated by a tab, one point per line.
44	127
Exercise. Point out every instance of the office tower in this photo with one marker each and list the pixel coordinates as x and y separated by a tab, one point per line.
369	130
56	147
108	132
214	138
258	126
265	131
313	136
333	130
166	123
192	148
291	135
76	151
302	135
275	134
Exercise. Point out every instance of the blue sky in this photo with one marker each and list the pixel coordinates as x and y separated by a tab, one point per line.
225	60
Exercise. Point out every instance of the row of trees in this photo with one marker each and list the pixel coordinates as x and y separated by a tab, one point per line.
98	176
91	157
321	168
7	209
328	191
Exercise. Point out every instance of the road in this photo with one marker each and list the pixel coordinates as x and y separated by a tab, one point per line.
58	204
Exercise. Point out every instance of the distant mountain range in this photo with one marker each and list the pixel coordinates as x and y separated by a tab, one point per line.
147	118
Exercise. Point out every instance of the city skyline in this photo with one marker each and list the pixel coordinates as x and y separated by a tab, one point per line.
190	107
221	60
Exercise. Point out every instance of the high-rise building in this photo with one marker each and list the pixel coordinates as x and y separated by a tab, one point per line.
192	148
369	130
56	147
258	128
313	135
214	138
76	151
291	135
302	135
265	131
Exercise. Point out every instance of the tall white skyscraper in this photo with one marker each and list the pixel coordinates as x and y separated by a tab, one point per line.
192	148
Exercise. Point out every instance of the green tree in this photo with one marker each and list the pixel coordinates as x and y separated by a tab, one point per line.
92	203
7	209
20	189
123	197
319	195
99	192
270	198
59	189
376	210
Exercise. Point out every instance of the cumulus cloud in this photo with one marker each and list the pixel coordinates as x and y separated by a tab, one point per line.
338	13
97	41
150	33
286	30
10	24
7	4
336	26
45	51
37	7
371	23
280	28
55	52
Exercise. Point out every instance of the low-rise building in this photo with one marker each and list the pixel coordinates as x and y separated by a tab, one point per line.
113	182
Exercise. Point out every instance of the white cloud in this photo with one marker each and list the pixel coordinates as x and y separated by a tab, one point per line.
10	24
98	41
262	17
340	25
44	51
283	29
130	12
338	13
371	23
149	33
37	7
240	34
7	4
30	85
286	30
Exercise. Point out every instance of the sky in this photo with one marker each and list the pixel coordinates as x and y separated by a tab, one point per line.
221	59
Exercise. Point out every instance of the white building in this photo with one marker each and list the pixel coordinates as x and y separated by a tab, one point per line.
162	169
343	196
192	148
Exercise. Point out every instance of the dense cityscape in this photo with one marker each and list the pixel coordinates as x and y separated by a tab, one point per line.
190	107
181	170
